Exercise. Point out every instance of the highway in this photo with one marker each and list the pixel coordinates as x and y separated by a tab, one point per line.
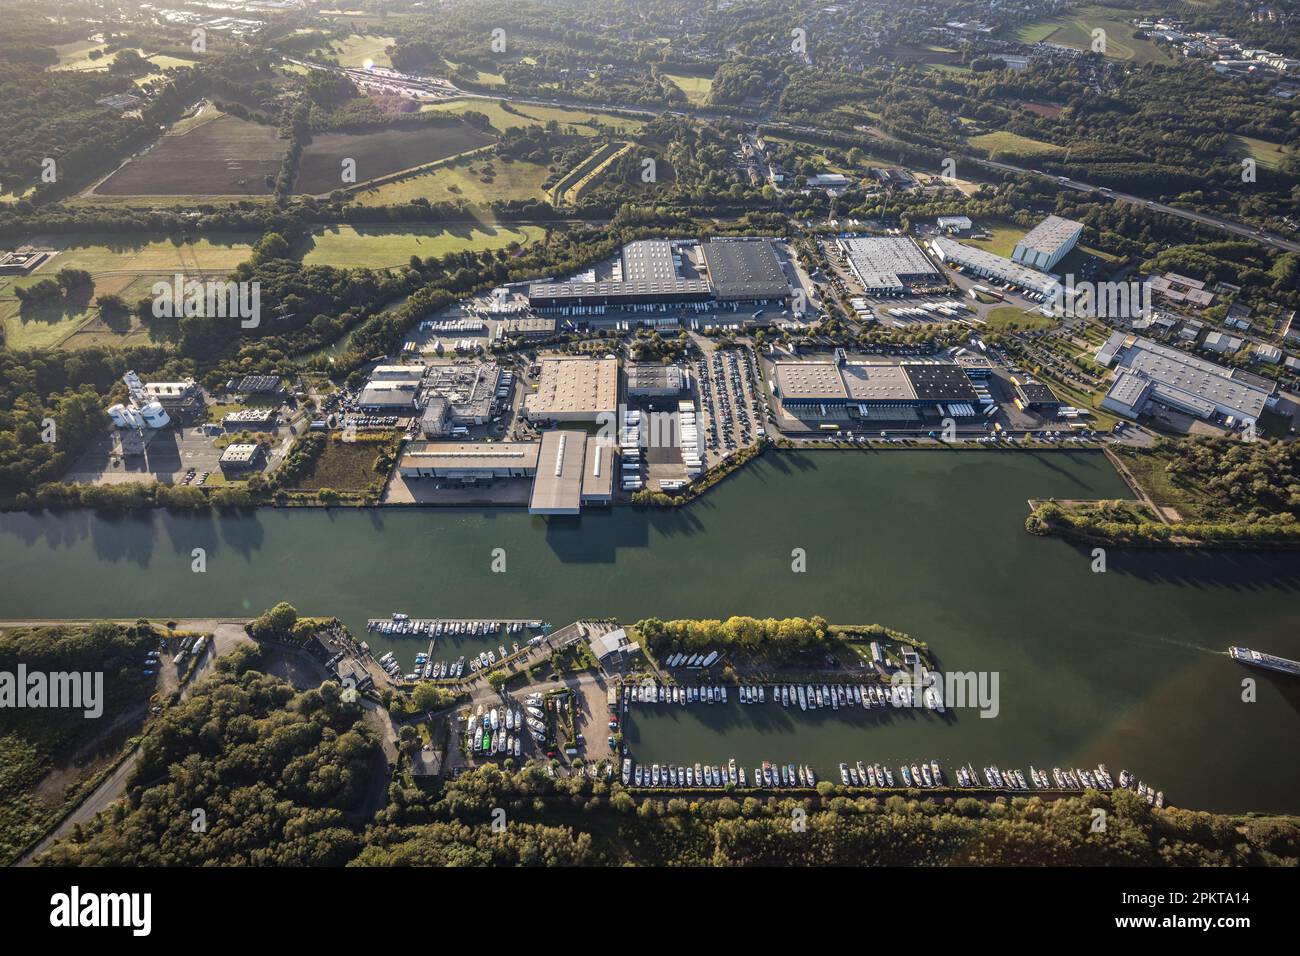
1230	226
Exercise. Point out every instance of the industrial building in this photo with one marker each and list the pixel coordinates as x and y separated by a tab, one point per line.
1035	395
880	384
998	268
1147	371
744	270
954	223
574	390
252	419
573	469
242	457
1047	243
646	380
468	462
389	398
653	274
889	265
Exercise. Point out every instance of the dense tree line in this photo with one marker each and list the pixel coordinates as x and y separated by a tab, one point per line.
271	775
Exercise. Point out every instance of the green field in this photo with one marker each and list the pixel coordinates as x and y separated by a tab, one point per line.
1004	142
356	49
381	153
127	267
696	88
526	115
1074	30
477	181
1266	154
1002	238
1006	316
388	247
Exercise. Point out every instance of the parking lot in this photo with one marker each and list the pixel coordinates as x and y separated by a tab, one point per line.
733	410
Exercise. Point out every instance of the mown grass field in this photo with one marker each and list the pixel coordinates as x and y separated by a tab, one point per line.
221	156
1074	29
380	153
1266	154
389	247
1007	316
696	88
475	180
127	267
356	49
1002	238
520	114
1004	142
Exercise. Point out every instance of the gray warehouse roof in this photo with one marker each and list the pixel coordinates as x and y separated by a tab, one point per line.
744	269
557	488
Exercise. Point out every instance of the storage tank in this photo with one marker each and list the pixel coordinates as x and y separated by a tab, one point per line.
119	415
154	415
133	417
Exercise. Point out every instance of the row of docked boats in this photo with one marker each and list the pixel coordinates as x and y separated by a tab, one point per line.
803	696
861	775
768	775
499	730
438	627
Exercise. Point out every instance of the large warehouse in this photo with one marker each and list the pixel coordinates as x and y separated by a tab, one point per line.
744	270
877	383
1147	371
889	265
653	273
574	390
1047	243
998	268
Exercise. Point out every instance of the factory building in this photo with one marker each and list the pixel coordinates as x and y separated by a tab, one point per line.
468	462
574	390
889	265
744	270
1147	371
573	469
880	384
647	380
1047	243
389	398
241	458
998	268
653	274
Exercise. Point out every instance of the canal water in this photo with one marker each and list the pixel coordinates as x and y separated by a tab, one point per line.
1125	667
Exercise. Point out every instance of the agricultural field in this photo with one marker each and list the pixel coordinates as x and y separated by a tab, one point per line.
462	180
390	247
1074	29
1012	143
381	153
696	88
583	176
1266	154
356	50
77	57
128	268
220	156
521	114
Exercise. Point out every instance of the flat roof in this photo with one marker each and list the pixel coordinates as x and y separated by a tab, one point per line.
598	468
575	386
887	261
471	455
940	382
1052	234
1179	377
389	393
651	375
239	452
1000	266
871	382
557	487
744	269
810	381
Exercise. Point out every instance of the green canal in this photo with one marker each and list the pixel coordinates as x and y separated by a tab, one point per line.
1125	667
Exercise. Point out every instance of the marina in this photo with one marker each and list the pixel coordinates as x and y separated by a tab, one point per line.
440	663
911	775
1128	667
